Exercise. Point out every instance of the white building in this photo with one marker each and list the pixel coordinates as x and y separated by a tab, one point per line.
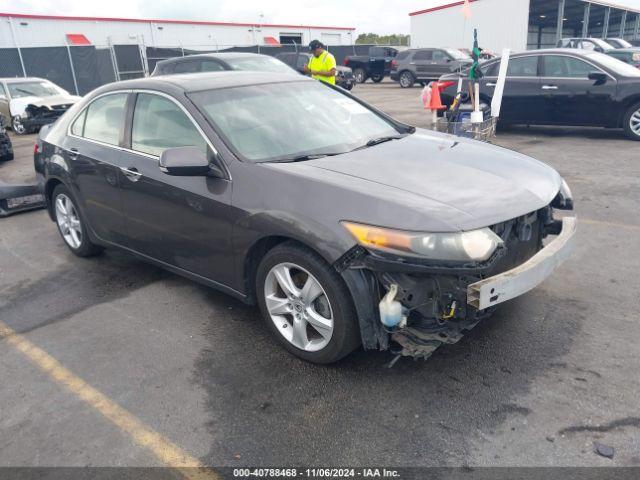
23	31
522	24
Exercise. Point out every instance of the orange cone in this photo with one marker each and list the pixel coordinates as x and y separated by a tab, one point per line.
436	102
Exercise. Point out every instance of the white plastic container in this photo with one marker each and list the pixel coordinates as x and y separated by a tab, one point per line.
390	309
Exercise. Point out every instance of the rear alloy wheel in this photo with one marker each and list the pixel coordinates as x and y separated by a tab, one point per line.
17	126
407	79
70	223
306	304
632	122
360	75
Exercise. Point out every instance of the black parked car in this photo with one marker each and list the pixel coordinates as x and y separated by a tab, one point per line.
563	87
300	197
426	64
375	66
298	60
218	62
6	148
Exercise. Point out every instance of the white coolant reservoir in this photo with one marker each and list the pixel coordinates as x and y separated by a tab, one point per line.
390	309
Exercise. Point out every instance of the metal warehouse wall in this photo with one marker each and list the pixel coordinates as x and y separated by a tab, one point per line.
500	24
32	32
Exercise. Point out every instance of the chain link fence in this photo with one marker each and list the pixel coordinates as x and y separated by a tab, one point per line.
80	69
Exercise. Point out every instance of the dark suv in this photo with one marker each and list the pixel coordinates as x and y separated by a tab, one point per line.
426	64
298	60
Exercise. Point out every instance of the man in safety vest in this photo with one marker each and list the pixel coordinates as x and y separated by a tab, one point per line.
322	66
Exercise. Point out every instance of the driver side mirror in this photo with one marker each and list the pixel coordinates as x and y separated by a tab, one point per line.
598	77
188	162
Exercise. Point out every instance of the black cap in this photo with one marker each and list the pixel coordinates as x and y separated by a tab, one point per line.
315	44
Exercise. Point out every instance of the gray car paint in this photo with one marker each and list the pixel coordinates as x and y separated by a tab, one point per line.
426	181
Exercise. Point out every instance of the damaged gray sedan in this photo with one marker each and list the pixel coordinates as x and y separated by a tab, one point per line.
346	227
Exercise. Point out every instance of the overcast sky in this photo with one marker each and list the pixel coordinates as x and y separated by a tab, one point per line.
378	16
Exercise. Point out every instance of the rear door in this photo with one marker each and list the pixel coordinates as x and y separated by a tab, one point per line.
522	98
181	221
571	98
92	152
421	64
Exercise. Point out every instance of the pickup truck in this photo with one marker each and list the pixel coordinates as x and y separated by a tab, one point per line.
375	66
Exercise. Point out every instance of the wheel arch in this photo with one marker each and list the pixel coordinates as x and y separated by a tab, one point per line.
49	187
626	104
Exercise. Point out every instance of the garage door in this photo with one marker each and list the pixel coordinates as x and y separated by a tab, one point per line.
331	38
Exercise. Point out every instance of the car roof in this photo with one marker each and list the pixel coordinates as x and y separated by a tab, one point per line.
23	79
220	55
195	82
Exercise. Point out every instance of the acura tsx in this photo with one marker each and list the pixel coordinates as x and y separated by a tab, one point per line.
345	226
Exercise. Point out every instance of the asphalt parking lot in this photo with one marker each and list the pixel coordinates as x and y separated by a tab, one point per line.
552	372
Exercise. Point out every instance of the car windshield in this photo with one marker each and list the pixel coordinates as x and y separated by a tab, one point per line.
34	89
284	121
259	64
618	66
619	42
457	54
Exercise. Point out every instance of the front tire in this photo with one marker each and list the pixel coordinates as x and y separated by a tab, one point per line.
18	127
71	225
360	75
407	79
306	304
632	122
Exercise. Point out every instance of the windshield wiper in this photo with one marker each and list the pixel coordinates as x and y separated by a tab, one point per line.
378	141
303	158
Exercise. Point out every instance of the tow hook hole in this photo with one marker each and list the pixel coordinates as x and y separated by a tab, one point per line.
493	290
494	298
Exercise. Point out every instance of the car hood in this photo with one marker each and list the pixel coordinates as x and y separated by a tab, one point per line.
436	182
18	105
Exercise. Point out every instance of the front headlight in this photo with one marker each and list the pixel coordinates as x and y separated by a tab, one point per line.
564	199
475	245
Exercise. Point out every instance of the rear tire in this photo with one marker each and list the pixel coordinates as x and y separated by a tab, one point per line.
407	79
316	323
71	225
377	78
360	75
632	122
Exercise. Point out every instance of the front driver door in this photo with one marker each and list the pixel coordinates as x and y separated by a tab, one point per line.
571	98
183	222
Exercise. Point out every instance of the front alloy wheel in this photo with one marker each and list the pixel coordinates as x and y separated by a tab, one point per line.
18	126
299	307
306	304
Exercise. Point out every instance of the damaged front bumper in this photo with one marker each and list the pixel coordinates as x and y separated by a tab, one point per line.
442	303
513	283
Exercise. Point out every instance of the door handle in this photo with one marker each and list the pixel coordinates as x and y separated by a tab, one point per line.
491	84
549	87
131	173
73	153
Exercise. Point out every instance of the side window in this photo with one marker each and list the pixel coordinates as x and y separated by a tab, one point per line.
210	66
490	70
2	90
523	67
104	118
568	67
190	66
440	56
423	55
403	55
158	124
78	125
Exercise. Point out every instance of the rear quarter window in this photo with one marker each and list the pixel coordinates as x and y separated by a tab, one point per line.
403	55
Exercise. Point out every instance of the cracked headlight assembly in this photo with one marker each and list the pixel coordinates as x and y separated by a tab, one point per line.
564	199
475	245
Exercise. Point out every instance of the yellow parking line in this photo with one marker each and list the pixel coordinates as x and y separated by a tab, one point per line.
608	224
165	451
